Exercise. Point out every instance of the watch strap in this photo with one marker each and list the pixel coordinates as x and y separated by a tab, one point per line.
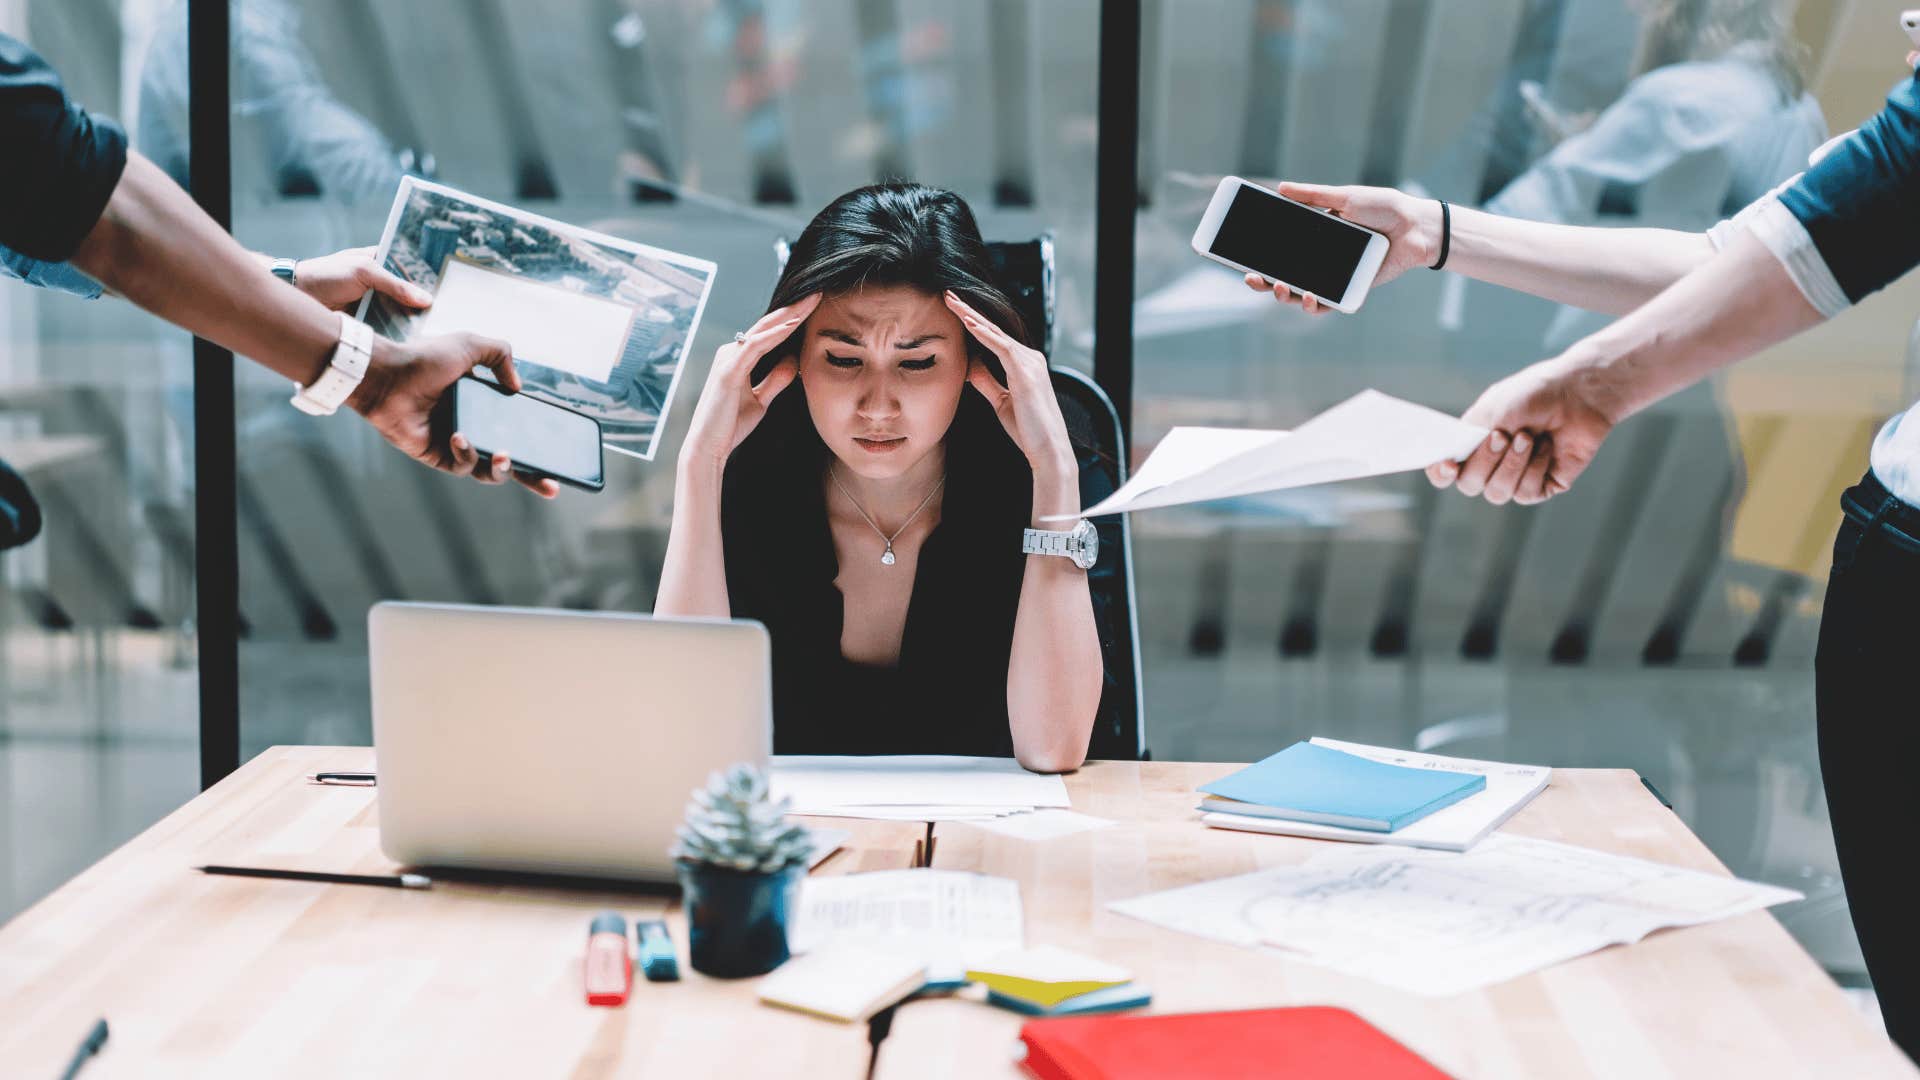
348	366
1050	542
284	269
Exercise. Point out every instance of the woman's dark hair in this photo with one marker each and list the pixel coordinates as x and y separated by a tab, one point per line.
896	234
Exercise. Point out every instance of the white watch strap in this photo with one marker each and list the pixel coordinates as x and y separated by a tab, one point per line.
348	366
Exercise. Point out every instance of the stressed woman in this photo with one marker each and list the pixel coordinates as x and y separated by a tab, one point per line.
866	470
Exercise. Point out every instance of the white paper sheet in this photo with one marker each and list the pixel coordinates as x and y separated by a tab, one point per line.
1439	923
949	918
976	785
1045	824
1369	434
1452	828
919	813
546	324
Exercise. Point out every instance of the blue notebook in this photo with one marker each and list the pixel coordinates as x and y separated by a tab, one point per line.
1305	782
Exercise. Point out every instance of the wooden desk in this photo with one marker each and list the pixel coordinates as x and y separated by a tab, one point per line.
1733	998
204	976
213	976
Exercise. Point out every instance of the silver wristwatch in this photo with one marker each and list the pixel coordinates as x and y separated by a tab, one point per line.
1081	544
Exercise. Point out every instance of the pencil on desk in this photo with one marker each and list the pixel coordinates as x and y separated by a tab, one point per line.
401	881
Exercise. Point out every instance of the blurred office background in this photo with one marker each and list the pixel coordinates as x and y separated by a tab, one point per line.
1662	618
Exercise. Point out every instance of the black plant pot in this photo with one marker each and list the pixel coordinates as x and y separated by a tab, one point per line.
737	921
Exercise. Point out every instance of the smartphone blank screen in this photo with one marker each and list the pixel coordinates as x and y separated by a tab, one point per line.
530	431
1304	248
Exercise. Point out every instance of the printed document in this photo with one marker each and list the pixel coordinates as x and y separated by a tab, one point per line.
1369	434
560	328
949	918
1439	923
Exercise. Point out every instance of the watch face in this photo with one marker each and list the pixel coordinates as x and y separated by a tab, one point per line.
1088	552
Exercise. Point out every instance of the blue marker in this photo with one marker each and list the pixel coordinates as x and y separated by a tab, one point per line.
657	960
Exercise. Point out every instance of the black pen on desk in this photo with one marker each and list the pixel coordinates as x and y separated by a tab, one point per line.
346	779
89	1046
401	881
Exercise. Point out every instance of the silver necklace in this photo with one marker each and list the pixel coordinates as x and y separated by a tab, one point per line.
886	557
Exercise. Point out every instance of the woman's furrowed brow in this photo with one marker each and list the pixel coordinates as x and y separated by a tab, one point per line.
848	337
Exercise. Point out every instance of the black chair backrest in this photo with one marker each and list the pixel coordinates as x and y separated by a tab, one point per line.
1026	270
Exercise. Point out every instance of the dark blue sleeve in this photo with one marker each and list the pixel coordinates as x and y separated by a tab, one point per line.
60	163
1860	204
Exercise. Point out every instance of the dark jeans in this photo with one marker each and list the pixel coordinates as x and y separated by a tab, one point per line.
1867	685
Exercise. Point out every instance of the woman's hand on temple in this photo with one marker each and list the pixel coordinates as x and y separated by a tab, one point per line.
1411	226
1026	406
730	406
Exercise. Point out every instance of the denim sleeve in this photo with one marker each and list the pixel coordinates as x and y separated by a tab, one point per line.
1860	205
61	277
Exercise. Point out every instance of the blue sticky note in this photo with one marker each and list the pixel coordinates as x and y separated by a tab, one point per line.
1305	782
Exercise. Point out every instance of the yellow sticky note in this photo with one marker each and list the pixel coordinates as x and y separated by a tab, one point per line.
1047	975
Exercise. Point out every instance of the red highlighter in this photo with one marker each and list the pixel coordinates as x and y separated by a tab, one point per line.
608	969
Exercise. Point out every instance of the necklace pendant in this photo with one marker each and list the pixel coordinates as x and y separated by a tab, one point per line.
886	558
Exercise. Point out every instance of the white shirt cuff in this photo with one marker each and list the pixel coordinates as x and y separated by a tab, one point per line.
1776	227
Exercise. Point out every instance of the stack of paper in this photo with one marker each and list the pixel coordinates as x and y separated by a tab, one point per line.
1454	828
843	982
1051	981
1441	923
1325	786
948	920
913	788
1369	434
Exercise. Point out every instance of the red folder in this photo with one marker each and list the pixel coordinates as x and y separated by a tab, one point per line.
1311	1043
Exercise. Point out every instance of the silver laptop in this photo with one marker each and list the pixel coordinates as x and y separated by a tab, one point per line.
556	742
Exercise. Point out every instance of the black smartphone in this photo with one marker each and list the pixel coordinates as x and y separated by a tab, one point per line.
542	438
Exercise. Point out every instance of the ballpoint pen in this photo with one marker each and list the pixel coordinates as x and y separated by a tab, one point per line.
346	779
401	881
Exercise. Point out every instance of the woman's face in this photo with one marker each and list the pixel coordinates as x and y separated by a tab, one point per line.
884	369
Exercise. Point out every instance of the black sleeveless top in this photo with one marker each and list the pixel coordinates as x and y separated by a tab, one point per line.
948	692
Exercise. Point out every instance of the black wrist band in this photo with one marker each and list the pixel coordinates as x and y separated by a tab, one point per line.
1446	234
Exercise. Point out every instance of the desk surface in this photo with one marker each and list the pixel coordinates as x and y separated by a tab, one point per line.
204	976
214	976
1734	998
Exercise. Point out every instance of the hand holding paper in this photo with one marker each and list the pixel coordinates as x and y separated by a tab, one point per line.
1369	434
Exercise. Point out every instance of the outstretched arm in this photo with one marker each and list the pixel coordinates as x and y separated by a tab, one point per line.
1606	270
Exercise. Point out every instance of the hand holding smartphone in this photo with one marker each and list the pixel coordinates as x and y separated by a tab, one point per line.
1254	230
542	438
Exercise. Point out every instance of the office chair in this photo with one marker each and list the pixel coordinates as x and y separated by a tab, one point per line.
1026	271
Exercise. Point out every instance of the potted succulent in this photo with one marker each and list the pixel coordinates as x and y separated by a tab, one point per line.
740	863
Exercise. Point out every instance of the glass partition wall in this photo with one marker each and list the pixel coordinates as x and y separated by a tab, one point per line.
99	717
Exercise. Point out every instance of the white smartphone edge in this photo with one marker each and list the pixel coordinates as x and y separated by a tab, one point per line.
1910	22
1363	274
